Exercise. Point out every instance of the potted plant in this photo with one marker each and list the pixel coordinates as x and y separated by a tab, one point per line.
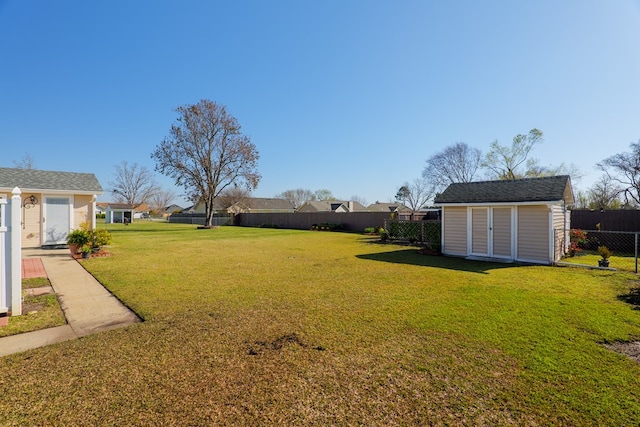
76	239
86	251
605	253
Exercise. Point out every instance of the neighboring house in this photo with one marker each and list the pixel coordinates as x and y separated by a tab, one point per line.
53	203
261	205
249	205
141	211
331	206
101	207
118	213
171	209
388	207
524	220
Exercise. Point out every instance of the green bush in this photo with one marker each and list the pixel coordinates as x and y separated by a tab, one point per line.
326	226
78	237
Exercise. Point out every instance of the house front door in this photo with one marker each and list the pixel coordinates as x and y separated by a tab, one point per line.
56	220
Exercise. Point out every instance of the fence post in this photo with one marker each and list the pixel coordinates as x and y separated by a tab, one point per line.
16	253
635	248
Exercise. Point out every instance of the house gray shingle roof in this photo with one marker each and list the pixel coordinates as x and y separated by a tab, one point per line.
33	179
545	189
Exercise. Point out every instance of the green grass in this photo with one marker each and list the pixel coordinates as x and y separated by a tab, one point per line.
269	327
590	258
38	312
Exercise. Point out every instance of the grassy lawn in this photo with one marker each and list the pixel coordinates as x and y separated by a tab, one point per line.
617	261
39	311
251	326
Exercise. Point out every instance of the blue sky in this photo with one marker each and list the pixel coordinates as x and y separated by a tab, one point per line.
350	96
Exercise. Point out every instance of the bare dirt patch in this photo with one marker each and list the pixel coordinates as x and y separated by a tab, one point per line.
258	347
631	349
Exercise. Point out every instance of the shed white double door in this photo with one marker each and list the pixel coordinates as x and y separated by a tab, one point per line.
490	231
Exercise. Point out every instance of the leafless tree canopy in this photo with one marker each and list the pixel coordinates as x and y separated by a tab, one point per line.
324	194
297	197
457	163
604	194
206	153
233	195
160	200
27	162
416	195
505	162
133	184
358	199
624	170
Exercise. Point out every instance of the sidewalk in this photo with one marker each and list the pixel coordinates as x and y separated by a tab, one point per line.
87	305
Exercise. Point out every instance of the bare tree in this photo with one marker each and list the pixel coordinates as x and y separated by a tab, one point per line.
206	153
324	194
417	194
505	161
358	199
233	195
604	194
160	200
27	162
297	197
133	184
624	169
457	163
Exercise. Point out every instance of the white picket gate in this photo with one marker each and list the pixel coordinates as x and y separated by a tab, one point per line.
10	255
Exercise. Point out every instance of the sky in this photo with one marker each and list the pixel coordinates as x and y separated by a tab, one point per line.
349	96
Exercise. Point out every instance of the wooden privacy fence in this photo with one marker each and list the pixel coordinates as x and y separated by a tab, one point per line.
348	221
616	220
10	255
199	219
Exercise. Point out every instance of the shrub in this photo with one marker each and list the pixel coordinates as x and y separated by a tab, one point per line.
577	240
326	226
370	230
78	237
604	252
99	238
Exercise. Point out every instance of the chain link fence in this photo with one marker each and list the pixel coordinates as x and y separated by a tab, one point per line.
596	248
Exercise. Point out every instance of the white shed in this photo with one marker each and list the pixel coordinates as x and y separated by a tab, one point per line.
518	220
118	213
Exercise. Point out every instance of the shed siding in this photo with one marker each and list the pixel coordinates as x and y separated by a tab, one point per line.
533	233
502	232
455	230
559	232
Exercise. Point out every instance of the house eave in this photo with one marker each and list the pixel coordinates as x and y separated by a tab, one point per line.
51	191
534	203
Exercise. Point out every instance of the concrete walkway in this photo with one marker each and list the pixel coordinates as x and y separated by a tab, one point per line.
87	305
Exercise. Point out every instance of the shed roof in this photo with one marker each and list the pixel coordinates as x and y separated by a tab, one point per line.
35	179
120	207
546	189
